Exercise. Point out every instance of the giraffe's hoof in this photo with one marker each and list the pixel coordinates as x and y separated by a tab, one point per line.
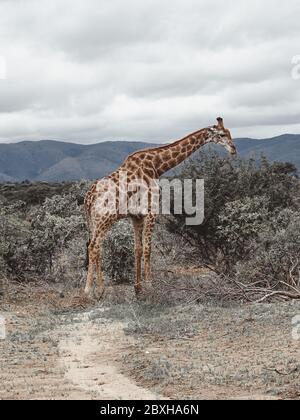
88	291
98	293
148	281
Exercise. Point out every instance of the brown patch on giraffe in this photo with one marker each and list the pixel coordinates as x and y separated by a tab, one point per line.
149	162
149	173
133	166
114	177
93	188
164	167
175	154
166	155
131	176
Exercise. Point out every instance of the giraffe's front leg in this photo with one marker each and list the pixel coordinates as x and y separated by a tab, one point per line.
148	231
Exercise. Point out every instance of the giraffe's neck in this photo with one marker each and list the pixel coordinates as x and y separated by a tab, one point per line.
171	156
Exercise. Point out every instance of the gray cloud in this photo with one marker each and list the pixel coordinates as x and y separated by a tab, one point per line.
152	70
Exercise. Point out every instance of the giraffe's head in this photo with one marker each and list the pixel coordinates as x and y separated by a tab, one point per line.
220	135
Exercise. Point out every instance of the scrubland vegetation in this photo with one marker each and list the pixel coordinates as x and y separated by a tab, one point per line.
217	321
249	241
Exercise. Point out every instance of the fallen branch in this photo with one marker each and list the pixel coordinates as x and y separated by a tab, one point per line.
282	373
279	293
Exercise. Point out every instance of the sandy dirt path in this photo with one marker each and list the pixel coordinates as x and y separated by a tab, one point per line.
89	356
77	359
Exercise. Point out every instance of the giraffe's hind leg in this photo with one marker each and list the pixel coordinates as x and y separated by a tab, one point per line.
91	267
148	231
138	225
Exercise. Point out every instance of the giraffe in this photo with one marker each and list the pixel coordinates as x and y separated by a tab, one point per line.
147	165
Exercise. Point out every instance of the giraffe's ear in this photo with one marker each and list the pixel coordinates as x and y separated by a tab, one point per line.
220	122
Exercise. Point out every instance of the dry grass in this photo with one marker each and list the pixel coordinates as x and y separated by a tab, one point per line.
214	352
181	351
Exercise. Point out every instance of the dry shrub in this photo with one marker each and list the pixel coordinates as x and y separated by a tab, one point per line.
118	253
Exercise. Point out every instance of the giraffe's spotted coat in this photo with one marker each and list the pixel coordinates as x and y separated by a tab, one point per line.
146	166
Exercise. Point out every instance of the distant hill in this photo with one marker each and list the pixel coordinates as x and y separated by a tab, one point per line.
285	148
58	161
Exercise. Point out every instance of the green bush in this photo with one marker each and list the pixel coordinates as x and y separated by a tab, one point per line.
241	197
48	241
275	257
118	253
34	242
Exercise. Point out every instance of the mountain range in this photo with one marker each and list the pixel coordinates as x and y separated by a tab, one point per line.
49	160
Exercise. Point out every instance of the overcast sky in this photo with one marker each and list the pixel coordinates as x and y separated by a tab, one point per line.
151	70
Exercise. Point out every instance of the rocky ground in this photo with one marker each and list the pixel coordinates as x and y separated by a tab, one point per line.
60	345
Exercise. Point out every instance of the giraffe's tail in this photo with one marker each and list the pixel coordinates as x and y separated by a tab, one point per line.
87	258
88	222
87	207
